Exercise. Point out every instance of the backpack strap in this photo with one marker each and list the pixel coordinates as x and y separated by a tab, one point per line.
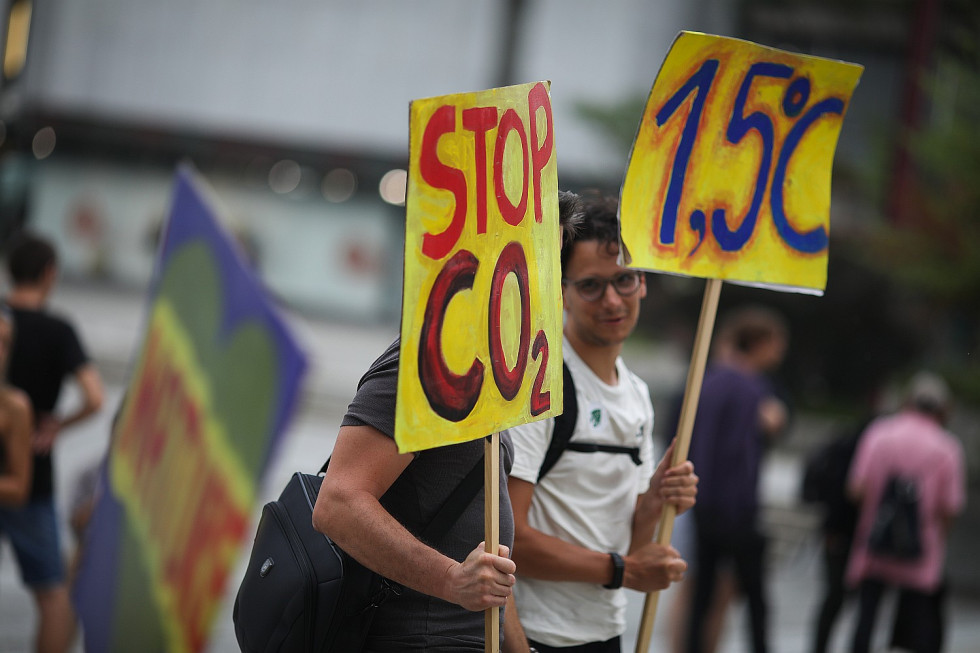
564	424
454	506
591	447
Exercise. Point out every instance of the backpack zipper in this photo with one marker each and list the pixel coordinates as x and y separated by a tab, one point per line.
297	549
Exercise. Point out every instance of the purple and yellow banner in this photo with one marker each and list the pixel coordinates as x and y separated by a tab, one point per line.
481	309
210	395
729	177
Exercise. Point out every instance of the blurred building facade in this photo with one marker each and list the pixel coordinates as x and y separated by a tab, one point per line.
295	112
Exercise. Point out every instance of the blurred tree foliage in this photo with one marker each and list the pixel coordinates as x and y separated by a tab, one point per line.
933	249
618	120
901	295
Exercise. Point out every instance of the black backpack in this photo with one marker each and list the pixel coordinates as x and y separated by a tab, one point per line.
564	427
301	592
895	530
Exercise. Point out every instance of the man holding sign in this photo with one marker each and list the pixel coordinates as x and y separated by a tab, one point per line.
462	578
364	465
480	334
585	529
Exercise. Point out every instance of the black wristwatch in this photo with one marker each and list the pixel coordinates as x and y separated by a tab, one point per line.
618	568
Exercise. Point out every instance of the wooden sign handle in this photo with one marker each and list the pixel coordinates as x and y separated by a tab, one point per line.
491	504
689	408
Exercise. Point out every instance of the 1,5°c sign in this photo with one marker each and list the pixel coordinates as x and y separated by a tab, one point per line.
729	177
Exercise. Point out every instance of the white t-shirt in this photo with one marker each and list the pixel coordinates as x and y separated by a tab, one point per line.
587	499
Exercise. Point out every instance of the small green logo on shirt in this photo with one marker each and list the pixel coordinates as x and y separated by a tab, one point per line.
595	417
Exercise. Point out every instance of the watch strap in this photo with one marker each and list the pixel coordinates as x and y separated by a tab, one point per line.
618	568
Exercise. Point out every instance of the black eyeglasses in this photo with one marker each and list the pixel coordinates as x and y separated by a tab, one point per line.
592	288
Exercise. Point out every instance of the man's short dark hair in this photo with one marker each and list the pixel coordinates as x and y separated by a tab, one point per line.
569	214
599	222
29	257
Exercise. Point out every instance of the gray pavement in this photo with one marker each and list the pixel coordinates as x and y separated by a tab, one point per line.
111	324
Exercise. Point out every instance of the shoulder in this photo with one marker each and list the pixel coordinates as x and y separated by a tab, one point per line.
951	444
383	372
385	363
14	404
374	402
723	376
46	316
873	434
630	375
522	434
16	399
637	383
54	324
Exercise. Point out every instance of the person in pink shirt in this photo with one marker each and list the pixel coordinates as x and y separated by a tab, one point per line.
912	445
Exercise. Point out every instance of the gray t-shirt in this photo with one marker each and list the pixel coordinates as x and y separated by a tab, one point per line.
415	621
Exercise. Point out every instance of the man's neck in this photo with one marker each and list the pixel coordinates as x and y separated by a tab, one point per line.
601	359
27	297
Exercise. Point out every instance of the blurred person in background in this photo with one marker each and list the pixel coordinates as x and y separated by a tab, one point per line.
683	539
824	484
16	426
914	447
738	415
46	353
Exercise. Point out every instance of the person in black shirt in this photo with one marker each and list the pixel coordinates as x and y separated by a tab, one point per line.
825	483
46	352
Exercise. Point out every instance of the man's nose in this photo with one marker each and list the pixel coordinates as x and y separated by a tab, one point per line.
609	294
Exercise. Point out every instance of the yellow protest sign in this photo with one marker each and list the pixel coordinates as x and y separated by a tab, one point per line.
481	311
729	177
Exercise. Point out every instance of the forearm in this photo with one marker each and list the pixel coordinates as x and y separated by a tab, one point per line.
545	557
13	490
76	416
671	487
646	516
515	641
15	483
93	395
365	530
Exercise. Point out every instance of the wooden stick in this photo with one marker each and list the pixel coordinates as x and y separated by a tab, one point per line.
682	441
491	504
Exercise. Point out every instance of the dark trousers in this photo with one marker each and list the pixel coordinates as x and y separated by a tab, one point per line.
746	551
609	646
835	553
918	623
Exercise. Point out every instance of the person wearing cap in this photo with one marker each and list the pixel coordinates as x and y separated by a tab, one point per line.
913	446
